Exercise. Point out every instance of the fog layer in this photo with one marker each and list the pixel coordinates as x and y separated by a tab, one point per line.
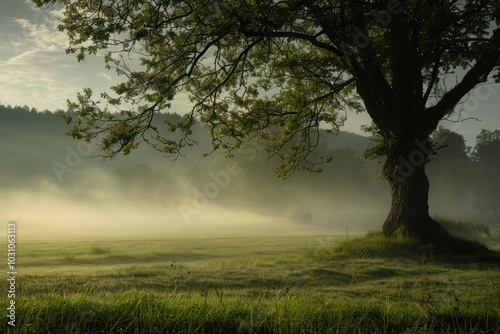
52	184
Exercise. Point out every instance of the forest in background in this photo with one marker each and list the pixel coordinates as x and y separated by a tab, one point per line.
37	157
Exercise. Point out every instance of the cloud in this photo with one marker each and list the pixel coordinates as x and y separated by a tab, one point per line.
46	78
37	31
40	74
36	70
42	36
104	76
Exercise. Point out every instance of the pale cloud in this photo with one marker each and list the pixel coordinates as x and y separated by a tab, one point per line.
102	75
37	71
45	79
37	31
42	36
35	57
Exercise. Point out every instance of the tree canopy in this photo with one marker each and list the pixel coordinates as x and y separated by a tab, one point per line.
253	67
280	70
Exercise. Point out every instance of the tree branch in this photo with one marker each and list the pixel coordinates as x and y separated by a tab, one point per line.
291	34
477	74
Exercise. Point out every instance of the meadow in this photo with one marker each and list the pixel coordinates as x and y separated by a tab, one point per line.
249	284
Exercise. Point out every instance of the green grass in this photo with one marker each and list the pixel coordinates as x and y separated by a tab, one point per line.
306	284
453	249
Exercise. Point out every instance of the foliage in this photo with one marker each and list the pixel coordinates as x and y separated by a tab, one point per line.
487	147
303	197
381	143
450	171
275	70
486	156
464	229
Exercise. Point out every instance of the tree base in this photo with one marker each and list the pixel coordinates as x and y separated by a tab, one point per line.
449	250
425	230
429	234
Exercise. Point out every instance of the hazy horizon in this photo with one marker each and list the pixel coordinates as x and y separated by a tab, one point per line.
55	185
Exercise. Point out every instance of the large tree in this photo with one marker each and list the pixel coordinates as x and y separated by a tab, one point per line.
280	70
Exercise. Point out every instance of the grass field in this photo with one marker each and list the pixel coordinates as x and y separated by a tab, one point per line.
246	284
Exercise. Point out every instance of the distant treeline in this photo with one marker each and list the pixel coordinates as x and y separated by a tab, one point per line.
36	153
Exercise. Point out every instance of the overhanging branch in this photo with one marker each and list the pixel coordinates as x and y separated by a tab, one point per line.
291	34
477	74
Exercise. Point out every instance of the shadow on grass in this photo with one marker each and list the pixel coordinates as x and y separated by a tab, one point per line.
116	259
450	249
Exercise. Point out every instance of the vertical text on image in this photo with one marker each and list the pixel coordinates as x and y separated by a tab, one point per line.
11	265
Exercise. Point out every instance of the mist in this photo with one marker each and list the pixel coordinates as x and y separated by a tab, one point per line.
206	197
54	185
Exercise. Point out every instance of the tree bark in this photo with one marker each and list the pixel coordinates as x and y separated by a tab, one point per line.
409	215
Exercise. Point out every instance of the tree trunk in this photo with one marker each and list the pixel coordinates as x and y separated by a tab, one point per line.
409	215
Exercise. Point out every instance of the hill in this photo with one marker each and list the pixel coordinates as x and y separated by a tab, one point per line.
39	159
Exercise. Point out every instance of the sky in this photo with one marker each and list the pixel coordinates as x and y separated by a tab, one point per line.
35	71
